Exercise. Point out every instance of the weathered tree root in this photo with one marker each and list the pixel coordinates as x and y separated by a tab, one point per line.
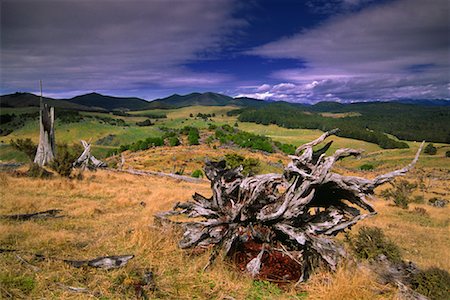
276	222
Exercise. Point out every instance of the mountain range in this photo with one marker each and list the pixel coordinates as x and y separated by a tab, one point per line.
99	102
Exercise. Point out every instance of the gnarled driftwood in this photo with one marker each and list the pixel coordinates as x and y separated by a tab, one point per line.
280	226
87	160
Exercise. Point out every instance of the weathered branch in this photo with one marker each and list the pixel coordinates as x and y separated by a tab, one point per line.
160	174
87	160
105	262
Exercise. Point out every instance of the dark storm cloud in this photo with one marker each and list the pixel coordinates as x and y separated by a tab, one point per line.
396	50
107	45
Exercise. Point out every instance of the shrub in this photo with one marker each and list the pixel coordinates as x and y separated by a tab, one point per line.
26	146
418	199
371	242
6	118
420	211
447	153
37	171
430	149
437	202
250	166
173	141
152	115
68	116
263	290
433	283
65	156
193	136
227	128
400	192
197	174
178	170
143	144
25	284
286	148
366	167
146	122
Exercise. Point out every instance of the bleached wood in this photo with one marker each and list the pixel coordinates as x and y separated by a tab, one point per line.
87	160
45	152
299	210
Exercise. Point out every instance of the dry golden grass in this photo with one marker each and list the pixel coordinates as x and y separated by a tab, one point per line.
111	213
171	159
348	282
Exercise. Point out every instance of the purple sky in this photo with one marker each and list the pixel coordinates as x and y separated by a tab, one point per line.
301	51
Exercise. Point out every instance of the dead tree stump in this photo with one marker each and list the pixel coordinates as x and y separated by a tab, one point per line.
46	149
280	226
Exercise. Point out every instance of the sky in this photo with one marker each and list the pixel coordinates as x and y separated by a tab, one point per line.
291	50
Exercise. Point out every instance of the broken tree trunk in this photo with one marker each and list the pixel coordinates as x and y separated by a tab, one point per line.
279	226
87	160
46	149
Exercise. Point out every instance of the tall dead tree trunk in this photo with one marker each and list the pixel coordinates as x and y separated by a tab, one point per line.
46	149
280	226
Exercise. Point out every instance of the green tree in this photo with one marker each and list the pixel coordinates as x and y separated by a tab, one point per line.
193	136
26	146
173	141
251	166
430	149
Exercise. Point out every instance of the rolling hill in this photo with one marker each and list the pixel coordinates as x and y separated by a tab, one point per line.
28	99
95	100
99	102
205	99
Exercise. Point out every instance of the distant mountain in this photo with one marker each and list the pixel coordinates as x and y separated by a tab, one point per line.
28	99
327	106
425	102
95	100
250	102
205	99
99	102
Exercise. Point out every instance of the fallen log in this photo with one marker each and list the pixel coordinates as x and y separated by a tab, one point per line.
104	262
276	222
160	174
51	213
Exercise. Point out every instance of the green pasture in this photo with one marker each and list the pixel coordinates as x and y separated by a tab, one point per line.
105	136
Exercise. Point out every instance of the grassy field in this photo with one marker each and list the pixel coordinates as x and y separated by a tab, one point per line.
109	213
105	136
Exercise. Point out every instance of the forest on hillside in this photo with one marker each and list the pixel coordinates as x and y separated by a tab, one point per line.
363	121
